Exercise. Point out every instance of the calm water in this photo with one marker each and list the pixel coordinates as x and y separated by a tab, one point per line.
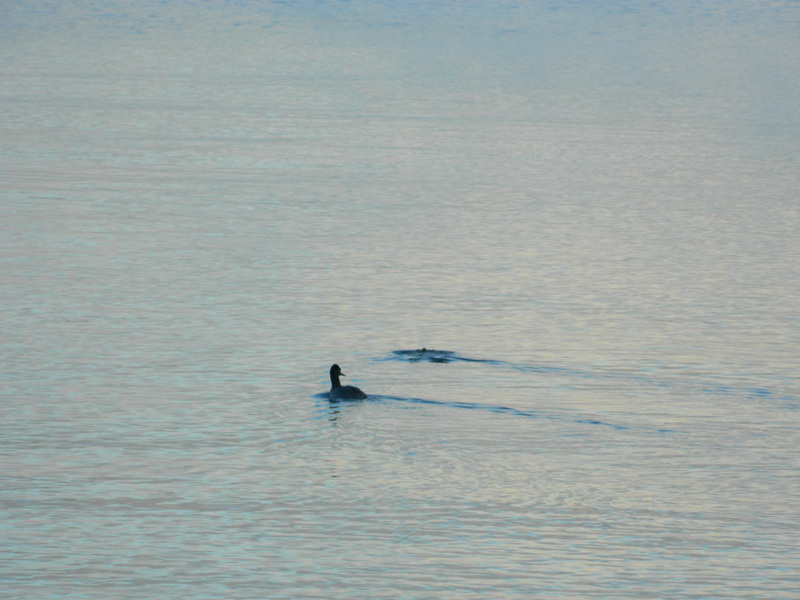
594	206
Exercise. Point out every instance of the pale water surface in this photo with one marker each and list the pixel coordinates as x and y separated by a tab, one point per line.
593	205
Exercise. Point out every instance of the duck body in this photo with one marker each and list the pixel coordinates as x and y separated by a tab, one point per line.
343	392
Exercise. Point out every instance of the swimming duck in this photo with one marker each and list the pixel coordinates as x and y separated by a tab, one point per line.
343	392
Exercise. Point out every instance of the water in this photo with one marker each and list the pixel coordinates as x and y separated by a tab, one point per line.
591	208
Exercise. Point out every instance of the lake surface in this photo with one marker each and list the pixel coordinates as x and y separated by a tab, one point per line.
591	209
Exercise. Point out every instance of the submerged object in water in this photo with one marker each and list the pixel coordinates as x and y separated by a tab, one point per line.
436	356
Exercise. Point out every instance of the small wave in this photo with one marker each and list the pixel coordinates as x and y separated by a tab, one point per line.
336	407
449	356
424	354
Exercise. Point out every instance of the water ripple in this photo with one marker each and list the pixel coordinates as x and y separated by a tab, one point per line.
724	387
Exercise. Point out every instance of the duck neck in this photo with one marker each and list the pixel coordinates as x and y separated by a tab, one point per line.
335	381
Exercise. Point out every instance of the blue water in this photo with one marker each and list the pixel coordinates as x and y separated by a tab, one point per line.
586	213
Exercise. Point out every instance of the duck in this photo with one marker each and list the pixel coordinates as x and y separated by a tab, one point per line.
343	392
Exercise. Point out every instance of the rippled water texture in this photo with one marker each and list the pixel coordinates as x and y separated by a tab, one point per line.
555	242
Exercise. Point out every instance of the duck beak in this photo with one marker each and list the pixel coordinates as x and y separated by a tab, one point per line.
342	374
